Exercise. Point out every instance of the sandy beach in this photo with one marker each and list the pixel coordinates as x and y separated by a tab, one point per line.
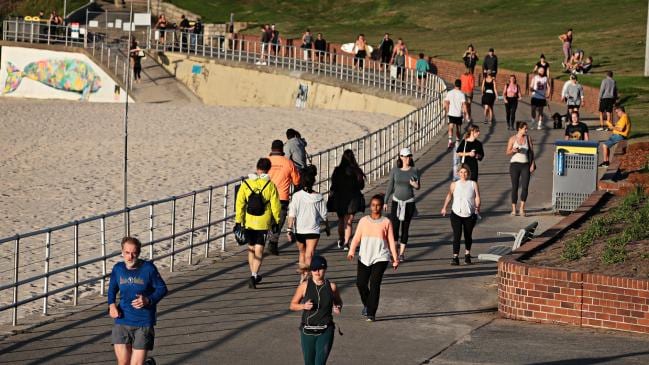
62	161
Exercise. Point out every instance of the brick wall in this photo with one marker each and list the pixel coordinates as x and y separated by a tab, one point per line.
552	295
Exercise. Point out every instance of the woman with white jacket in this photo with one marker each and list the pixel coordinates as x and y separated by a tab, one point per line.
305	213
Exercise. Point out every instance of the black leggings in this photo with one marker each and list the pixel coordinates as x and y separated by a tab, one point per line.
510	108
520	174
460	225
137	70
405	225
372	275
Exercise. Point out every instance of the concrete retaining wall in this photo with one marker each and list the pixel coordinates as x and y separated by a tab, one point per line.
221	84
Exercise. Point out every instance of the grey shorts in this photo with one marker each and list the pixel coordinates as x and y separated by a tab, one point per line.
140	338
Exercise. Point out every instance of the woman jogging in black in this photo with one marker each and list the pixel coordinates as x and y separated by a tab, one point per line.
317	298
347	181
404	179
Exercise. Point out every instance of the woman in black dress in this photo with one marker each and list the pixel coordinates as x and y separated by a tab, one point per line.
347	181
489	95
470	150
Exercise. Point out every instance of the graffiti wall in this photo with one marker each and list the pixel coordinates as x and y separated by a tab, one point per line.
43	74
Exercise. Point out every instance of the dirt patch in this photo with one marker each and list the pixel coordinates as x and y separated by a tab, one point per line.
633	164
634	265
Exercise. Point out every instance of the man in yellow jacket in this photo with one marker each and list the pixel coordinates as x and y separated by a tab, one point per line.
257	211
621	132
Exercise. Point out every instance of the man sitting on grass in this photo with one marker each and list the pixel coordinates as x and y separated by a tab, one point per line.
621	132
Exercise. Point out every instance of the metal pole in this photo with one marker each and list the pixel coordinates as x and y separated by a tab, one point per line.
65	10
646	47
191	228
128	81
48	237
75	298
225	215
173	234
102	228
209	222
151	231
14	319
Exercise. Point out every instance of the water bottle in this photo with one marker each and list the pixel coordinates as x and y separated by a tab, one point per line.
561	169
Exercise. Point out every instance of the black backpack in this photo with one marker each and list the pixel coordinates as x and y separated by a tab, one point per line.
256	205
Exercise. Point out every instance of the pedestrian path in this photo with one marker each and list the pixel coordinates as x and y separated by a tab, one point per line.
429	310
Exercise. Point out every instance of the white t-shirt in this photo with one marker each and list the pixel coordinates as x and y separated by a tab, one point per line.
539	84
308	210
456	98
464	198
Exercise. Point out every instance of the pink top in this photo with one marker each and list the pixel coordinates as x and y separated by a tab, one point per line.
512	90
374	236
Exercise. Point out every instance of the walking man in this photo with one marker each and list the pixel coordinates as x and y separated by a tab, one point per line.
385	48
283	174
141	288
257	210
455	108
607	97
573	94
490	64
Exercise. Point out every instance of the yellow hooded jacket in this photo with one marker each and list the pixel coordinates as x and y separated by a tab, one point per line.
270	195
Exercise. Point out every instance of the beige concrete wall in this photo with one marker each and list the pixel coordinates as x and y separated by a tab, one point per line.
220	84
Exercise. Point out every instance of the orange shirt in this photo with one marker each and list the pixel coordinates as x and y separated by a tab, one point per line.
468	83
283	173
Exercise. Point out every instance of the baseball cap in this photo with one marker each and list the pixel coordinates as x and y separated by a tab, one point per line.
317	263
277	145
405	152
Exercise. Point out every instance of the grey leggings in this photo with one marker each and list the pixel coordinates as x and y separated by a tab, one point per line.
520	175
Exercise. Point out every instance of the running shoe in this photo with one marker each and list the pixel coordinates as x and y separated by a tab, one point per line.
346	247
600	129
252	283
364	312
370	319
604	164
455	261
340	244
539	127
272	248
450	144
258	279
467	259
402	258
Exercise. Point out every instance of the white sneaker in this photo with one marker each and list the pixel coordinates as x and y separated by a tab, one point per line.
539	127
600	129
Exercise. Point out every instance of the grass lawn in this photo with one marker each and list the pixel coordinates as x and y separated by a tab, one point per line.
612	32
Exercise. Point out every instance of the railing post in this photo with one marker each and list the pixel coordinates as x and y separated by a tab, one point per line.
209	222
191	229
48	237
14	319
151	227
75	298
225	215
173	235
102	238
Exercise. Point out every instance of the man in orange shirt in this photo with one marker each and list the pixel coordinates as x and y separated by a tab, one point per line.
468	84
283	174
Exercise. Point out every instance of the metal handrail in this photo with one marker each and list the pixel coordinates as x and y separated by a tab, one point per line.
374	153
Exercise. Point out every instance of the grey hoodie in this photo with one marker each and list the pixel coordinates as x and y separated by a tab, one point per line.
295	150
308	209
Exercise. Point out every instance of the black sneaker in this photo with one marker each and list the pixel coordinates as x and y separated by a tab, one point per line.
258	279
346	247
340	244
272	248
455	261
402	258
370	319
252	283
364	312
467	259
149	361
604	164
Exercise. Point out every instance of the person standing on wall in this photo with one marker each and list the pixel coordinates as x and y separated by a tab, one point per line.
318	299
385	48
455	108
320	47
471	150
347	183
257	211
375	237
141	288
360	51
464	212
283	174
521	165
404	179
275	39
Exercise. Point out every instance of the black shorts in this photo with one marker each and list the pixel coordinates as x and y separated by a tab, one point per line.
141	338
606	105
421	77
302	237
538	102
454	120
256	237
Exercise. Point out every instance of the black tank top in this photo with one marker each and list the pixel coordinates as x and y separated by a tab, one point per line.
323	300
488	86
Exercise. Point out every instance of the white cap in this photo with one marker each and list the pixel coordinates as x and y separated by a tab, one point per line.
405	152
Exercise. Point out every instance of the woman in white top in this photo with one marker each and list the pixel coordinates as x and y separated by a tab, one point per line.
521	164
305	213
464	212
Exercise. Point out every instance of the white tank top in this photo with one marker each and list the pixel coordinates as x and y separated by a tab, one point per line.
520	156
464	198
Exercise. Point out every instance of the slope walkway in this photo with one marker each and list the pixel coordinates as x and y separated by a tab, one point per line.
430	312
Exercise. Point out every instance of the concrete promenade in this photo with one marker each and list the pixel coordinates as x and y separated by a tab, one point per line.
430	312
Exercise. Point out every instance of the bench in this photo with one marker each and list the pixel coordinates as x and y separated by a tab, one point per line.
523	235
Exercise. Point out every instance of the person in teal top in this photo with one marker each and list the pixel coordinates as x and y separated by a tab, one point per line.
422	68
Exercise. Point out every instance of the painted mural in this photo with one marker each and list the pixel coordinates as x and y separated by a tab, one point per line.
43	74
64	74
